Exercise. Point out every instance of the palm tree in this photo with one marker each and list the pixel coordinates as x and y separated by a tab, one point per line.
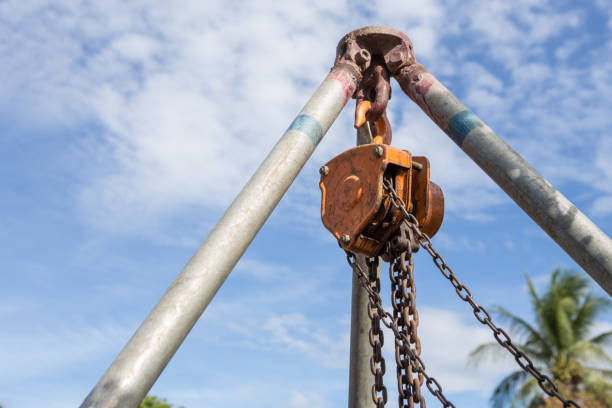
559	345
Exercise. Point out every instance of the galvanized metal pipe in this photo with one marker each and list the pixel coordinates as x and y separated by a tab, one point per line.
590	247
360	376
132	374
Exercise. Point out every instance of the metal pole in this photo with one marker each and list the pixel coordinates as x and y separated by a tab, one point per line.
590	247
132	374
361	379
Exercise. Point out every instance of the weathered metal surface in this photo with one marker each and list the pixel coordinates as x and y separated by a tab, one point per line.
575	233
360	376
356	209
353	206
374	91
131	375
414	361
378	51
360	379
428	199
590	247
480	313
361	46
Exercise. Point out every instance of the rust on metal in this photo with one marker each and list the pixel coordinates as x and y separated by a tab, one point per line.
353	200
428	199
356	208
377	53
360	47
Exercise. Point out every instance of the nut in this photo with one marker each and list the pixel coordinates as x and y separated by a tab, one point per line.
345	239
363	58
378	151
396	59
324	170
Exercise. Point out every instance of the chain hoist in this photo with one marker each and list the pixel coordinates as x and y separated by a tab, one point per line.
378	201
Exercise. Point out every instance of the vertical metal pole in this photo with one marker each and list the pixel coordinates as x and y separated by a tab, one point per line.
361	379
589	246
132	374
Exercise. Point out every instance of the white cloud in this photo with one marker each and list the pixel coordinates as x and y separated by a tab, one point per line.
600	327
253	394
190	100
446	341
459	243
37	351
295	333
603	205
301	399
237	395
263	271
187	101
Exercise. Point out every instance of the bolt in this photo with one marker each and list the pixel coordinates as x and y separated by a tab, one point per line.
324	170
378	151
395	60
363	58
345	239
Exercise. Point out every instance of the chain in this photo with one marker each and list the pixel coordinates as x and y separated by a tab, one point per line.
482	315
403	294
390	322
376	337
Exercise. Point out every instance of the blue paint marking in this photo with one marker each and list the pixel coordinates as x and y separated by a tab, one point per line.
309	126
461	124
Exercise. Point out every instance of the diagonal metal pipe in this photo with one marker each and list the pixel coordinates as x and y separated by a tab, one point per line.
133	373
142	360
575	233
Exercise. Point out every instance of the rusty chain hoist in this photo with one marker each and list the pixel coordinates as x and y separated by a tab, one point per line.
378	200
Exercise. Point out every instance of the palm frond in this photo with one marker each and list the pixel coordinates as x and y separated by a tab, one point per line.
559	305
526	393
486	352
536	355
602	372
588	310
584	351
599	388
532	292
565	283
603	339
563	311
535	342
503	393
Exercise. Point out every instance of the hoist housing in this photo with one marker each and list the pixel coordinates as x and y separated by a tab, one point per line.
359	212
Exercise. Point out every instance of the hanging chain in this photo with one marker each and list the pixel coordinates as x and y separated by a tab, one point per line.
403	294
376	337
482	315
387	319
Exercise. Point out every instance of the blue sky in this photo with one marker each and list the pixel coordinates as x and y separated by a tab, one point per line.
127	129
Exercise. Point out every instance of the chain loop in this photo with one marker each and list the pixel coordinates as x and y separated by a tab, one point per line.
403	294
375	304
375	335
544	381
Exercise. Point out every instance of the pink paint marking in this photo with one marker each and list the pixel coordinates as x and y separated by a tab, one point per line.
346	81
426	81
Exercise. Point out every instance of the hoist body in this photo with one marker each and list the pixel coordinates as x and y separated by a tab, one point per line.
357	209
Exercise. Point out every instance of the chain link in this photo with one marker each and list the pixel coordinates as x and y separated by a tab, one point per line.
481	314
390	322
403	294
376	337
